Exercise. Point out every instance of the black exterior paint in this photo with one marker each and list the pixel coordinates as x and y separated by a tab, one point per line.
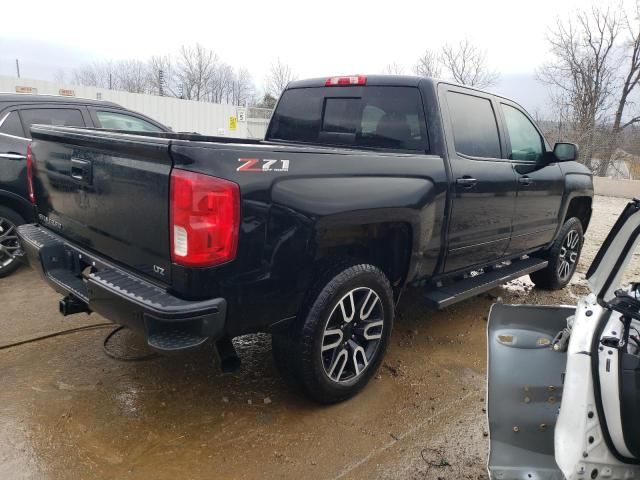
292	219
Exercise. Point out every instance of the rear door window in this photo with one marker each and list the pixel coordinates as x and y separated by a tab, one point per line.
121	121
475	129
369	117
11	125
60	117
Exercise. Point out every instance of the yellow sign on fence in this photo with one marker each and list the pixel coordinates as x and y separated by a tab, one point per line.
233	123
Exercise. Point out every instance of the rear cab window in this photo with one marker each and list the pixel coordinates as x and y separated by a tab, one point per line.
381	117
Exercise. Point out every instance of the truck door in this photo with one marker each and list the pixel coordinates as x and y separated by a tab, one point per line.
483	189
540	183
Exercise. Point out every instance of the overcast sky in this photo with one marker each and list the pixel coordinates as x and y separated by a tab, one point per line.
317	39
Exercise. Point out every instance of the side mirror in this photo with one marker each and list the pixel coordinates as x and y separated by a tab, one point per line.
565	152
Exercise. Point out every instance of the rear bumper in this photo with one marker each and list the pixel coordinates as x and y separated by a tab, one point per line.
169	323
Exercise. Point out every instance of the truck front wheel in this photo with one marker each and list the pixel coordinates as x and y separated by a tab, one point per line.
341	336
563	257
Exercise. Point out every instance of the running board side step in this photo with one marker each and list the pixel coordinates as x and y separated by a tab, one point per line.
443	297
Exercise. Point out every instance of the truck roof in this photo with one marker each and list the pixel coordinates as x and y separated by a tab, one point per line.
378	80
388	80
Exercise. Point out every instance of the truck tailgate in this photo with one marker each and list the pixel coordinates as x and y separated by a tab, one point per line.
107	192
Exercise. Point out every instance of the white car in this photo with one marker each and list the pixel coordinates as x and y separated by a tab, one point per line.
564	382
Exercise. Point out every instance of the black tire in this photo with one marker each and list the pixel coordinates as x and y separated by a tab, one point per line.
563	257
9	220
366	296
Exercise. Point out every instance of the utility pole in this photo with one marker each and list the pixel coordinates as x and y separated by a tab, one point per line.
160	82
109	81
18	67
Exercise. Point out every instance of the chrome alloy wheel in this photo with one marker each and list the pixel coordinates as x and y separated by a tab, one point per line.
568	255
352	335
9	244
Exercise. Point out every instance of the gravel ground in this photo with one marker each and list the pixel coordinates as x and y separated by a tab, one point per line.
69	411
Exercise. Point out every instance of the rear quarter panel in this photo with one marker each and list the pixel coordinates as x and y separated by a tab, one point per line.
285	213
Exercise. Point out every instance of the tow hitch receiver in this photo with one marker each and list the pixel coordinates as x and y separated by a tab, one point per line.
70	305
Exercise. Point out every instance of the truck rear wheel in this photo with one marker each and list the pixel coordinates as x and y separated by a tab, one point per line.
339	340
9	244
563	257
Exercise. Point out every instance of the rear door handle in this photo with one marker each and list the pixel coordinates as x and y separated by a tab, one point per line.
12	156
525	181
467	182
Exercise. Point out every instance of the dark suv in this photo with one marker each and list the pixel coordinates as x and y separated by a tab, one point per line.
17	113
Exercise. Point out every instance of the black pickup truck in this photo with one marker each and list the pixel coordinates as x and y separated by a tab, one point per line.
364	186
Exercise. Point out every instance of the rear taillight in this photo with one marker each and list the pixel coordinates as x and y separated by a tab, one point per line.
345	81
30	191
205	219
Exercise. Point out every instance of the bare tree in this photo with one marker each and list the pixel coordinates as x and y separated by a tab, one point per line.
394	69
132	76
221	83
467	65
196	69
278	78
428	64
163	76
196	74
128	75
244	91
630	80
98	74
581	72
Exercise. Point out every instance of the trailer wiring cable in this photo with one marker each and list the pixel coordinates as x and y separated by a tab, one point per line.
56	334
138	358
96	326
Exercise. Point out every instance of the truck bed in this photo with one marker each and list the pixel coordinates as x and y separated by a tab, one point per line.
121	209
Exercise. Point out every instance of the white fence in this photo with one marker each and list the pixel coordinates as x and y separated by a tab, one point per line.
180	115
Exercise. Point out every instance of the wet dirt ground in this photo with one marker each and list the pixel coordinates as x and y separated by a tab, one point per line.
69	411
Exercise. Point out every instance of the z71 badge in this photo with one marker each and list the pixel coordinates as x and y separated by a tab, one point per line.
262	165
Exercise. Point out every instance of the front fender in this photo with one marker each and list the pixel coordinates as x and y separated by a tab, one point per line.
578	183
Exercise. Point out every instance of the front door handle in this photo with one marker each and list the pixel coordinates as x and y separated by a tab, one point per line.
12	156
467	182
525	181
